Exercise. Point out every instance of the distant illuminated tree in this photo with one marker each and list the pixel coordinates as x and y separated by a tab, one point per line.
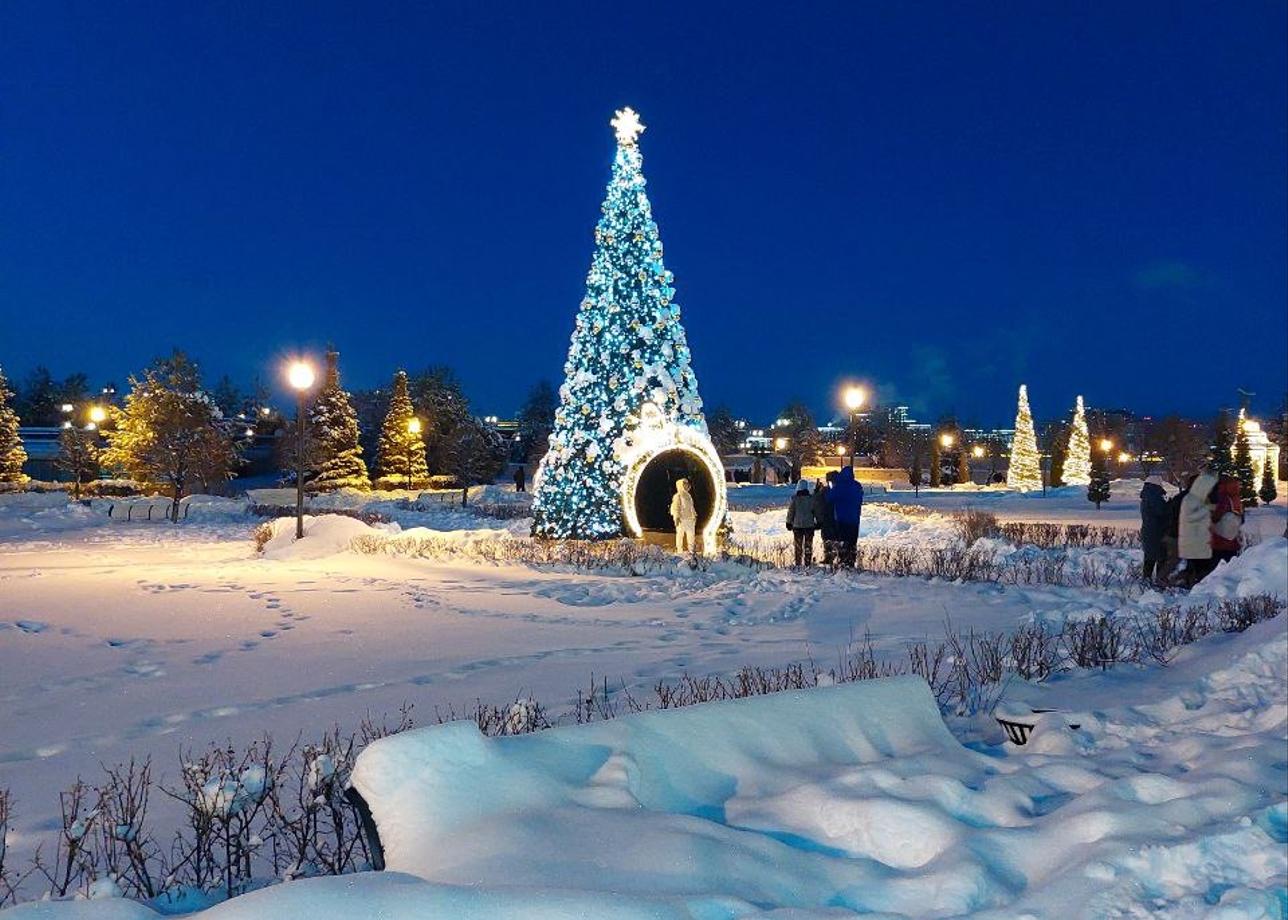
1243	466
1025	471
77	456
1077	457
12	453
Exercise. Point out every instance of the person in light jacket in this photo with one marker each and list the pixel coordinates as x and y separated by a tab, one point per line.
1153	525
801	522
685	517
1194	532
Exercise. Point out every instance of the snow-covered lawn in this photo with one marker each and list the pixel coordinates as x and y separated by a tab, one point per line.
130	640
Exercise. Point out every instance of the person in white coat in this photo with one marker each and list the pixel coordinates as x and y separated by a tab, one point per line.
1194	529
685	517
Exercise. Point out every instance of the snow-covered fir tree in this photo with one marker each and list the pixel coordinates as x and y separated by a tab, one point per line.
333	426
1077	458
400	455
77	456
170	434
1222	455
628	349
1268	491
12	453
1025	471
1098	483
1243	465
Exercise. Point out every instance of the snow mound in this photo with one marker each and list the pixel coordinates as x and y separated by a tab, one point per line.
324	535
1259	569
676	803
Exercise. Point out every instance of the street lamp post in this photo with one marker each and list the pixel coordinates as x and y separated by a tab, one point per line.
413	428
300	376
855	397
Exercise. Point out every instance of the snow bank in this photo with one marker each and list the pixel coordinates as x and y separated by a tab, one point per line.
324	535
1260	569
676	803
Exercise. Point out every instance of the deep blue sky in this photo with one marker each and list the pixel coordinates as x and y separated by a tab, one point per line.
944	199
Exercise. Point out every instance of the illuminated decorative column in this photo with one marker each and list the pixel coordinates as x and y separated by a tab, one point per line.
1025	471
629	391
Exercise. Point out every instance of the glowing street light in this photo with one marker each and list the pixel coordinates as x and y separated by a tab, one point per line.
855	397
1124	457
413	429
300	375
1106	445
840	450
946	440
977	451
66	407
97	414
780	443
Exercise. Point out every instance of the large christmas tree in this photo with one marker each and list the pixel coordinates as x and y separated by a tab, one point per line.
400	456
12	453
333	427
1077	458
1025	470
628	351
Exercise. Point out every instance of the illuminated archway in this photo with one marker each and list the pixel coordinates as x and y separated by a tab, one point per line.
651	440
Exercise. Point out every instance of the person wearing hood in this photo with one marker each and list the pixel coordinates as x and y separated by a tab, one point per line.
801	522
826	517
1153	525
685	517
847	506
1194	531
1227	520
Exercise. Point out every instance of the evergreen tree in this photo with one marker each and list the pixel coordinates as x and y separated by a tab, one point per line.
1025	471
628	349
12	453
400	457
475	454
1222	455
333	425
1243	466
936	463
1098	487
724	431
170	434
1077	457
537	420
36	399
963	462
440	402
1057	435
227	397
77	456
1269	492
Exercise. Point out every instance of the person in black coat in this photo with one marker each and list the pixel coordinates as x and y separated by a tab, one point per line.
826	517
1154	520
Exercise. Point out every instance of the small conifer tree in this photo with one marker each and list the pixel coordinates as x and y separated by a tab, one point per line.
334	431
1098	488
400	456
1243	466
77	456
1268	492
1222	456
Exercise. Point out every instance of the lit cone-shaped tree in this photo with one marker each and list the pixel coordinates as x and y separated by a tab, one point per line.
400	456
628	352
1025	471
333	426
1243	465
1077	458
12	453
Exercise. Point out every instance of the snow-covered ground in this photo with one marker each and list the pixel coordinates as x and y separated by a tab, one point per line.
122	640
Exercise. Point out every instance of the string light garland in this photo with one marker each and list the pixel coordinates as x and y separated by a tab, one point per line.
1077	460
1025	471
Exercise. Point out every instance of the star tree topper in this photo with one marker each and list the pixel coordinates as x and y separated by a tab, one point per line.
628	126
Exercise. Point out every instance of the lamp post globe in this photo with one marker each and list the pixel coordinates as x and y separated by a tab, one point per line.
300	375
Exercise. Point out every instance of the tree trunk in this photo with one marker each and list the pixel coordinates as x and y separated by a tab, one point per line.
174	507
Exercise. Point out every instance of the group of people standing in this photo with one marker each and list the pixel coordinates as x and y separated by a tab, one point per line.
1201	526
833	508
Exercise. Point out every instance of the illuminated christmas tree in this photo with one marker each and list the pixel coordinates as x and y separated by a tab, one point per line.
1025	471
628	379
333	427
1077	459
400	456
12	453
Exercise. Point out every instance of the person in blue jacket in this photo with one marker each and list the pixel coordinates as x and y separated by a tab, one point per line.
847	505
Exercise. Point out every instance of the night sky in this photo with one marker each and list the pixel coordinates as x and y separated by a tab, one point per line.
942	199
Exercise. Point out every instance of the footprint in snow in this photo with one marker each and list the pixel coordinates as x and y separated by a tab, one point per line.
31	627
